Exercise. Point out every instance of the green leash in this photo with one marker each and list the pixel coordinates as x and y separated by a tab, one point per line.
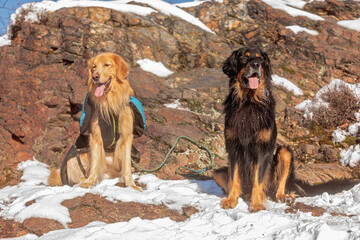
201	171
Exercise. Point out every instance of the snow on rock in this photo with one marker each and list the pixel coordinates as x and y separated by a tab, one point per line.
194	3
118	5
297	28
351	24
291	7
354	128
211	222
350	157
48	200
176	105
294	3
357	116
37	7
173	10
189	4
4	40
156	68
346	202
286	84
339	135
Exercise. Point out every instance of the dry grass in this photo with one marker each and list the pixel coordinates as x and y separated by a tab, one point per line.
342	108
20	19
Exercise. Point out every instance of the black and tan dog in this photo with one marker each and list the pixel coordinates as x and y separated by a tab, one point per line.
250	134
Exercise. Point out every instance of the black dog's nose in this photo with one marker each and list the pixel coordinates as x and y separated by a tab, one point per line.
255	64
96	77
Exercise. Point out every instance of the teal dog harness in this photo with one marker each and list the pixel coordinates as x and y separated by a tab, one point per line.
109	133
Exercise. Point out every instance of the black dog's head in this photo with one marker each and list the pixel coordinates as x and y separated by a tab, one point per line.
248	66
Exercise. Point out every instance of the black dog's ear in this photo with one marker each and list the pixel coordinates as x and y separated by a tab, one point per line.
267	65
230	64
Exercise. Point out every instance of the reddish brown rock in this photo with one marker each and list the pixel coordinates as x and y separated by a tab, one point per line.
40	226
10	229
314	174
315	211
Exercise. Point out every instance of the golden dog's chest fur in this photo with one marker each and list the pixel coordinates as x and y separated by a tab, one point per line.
110	91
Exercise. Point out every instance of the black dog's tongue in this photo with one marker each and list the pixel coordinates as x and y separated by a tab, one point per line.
253	82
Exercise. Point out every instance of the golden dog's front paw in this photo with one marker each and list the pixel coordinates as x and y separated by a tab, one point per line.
86	184
228	203
256	208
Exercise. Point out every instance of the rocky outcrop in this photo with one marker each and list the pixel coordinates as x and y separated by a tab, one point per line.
44	75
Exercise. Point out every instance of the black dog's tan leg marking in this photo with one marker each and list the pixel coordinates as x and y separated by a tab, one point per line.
282	171
235	190
257	194
264	135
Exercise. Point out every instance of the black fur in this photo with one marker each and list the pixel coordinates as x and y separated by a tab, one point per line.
246	117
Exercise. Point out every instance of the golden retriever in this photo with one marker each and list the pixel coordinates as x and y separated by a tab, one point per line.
109	90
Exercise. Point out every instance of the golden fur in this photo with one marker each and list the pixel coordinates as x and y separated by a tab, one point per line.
98	165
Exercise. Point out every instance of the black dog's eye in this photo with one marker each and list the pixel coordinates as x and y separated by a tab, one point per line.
243	59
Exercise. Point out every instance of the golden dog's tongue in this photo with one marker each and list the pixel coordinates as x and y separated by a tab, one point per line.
253	82
99	91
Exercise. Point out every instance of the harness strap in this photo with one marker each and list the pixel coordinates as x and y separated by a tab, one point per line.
81	165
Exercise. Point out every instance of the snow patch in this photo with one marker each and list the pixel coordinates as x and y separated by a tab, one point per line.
339	135
118	5
351	24
354	128
156	68
4	40
297	28
286	84
351	156
173	10
38	7
211	222
291	7
194	3
176	105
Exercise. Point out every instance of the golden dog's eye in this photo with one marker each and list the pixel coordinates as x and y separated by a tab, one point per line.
94	66
107	64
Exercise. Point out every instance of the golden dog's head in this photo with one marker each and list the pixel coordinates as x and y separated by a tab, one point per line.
105	71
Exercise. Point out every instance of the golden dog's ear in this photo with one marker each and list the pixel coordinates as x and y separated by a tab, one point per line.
122	69
90	64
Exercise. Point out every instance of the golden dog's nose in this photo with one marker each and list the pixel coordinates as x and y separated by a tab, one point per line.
96	77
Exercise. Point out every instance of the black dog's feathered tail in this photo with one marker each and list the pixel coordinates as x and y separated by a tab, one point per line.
282	175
